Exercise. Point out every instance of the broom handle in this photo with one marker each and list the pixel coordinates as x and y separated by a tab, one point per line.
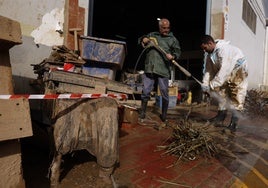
187	73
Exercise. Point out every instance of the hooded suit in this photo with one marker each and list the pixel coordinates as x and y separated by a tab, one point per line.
225	71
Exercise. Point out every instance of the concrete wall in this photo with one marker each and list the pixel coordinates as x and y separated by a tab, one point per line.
29	14
227	23
253	45
265	71
39	21
10	155
235	30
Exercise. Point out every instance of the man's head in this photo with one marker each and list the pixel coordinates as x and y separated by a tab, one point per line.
208	43
164	26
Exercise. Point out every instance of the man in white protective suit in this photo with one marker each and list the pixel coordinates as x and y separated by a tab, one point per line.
224	77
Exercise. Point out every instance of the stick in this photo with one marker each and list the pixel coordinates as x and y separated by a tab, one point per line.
172	183
75	31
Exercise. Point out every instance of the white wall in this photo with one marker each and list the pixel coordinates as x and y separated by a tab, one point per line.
29	13
265	78
39	20
253	45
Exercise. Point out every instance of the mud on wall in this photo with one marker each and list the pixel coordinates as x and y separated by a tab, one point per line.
39	22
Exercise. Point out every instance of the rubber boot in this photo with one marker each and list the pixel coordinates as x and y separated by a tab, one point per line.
142	113
164	110
219	118
163	116
233	124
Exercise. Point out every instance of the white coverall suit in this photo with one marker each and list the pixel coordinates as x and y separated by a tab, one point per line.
225	72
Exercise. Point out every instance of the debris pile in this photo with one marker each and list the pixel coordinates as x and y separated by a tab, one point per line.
189	141
256	103
59	56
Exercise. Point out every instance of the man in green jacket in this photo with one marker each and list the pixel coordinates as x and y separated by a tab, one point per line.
158	64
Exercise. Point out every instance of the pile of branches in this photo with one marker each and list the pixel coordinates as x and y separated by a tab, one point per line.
189	141
256	103
63	54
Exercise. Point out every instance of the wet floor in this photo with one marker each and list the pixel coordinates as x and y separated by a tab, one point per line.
242	162
249	147
245	152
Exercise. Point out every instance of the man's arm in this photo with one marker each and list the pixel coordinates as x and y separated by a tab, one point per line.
227	66
143	41
176	51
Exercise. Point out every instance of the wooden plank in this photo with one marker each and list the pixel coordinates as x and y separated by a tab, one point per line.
5	73
69	88
15	119
10	34
87	81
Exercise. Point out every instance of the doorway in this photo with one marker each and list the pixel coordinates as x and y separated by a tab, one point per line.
128	20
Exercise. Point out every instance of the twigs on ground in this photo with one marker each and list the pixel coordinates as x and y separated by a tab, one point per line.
189	141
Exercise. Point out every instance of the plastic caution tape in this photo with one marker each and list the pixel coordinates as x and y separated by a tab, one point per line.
63	96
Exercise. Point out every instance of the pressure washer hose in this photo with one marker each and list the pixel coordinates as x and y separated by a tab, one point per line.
138	60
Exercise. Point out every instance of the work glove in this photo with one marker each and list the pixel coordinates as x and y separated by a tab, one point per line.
217	89
205	88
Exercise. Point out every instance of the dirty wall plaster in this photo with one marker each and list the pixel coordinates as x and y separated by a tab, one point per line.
29	13
38	20
48	33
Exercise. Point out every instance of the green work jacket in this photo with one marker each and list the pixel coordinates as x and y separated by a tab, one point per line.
155	61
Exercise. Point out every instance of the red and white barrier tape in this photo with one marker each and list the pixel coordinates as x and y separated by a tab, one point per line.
63	96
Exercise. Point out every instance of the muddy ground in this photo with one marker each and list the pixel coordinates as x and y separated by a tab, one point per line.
79	169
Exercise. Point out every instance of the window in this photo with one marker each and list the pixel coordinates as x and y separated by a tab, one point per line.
249	16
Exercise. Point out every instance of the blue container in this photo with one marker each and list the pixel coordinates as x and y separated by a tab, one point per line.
104	51
106	73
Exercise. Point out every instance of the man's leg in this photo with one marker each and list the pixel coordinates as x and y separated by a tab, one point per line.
234	120
221	97
219	118
238	89
163	86
143	109
148	84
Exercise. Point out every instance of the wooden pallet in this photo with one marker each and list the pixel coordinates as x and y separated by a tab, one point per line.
69	82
